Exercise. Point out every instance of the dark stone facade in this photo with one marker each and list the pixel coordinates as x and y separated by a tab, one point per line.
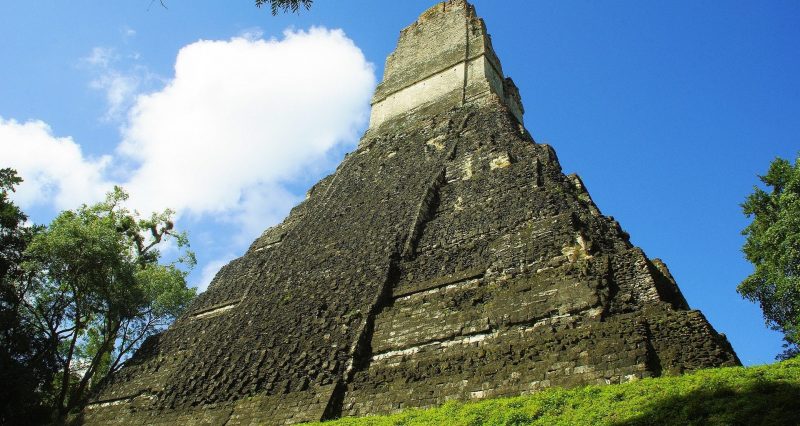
447	257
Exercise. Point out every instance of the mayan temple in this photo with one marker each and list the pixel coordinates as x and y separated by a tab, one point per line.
448	257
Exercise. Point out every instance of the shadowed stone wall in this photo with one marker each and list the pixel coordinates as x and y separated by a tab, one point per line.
448	257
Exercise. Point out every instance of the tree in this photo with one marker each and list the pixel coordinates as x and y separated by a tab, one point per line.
773	246
98	289
285	5
26	367
275	5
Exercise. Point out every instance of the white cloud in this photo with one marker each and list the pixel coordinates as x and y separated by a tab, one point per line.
100	57
119	89
127	32
252	33
120	84
54	168
241	122
224	139
243	116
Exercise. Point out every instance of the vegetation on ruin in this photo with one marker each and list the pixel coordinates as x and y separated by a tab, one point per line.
761	395
773	247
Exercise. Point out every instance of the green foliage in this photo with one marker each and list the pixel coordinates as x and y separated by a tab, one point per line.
773	246
25	355
12	232
98	290
284	5
767	395
78	298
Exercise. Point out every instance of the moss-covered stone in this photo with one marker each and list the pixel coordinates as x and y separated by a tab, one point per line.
448	257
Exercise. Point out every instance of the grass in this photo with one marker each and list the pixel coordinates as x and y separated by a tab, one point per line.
762	395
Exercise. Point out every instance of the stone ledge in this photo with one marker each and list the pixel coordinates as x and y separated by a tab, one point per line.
215	310
411	288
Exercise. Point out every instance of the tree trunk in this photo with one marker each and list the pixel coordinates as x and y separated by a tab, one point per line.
106	347
60	405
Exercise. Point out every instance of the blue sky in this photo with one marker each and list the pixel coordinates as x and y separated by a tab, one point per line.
668	111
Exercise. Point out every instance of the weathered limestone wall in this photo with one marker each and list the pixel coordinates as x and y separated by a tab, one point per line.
517	282
499	277
443	89
289	408
443	60
448	257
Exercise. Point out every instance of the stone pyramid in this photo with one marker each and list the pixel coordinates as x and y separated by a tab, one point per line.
448	257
